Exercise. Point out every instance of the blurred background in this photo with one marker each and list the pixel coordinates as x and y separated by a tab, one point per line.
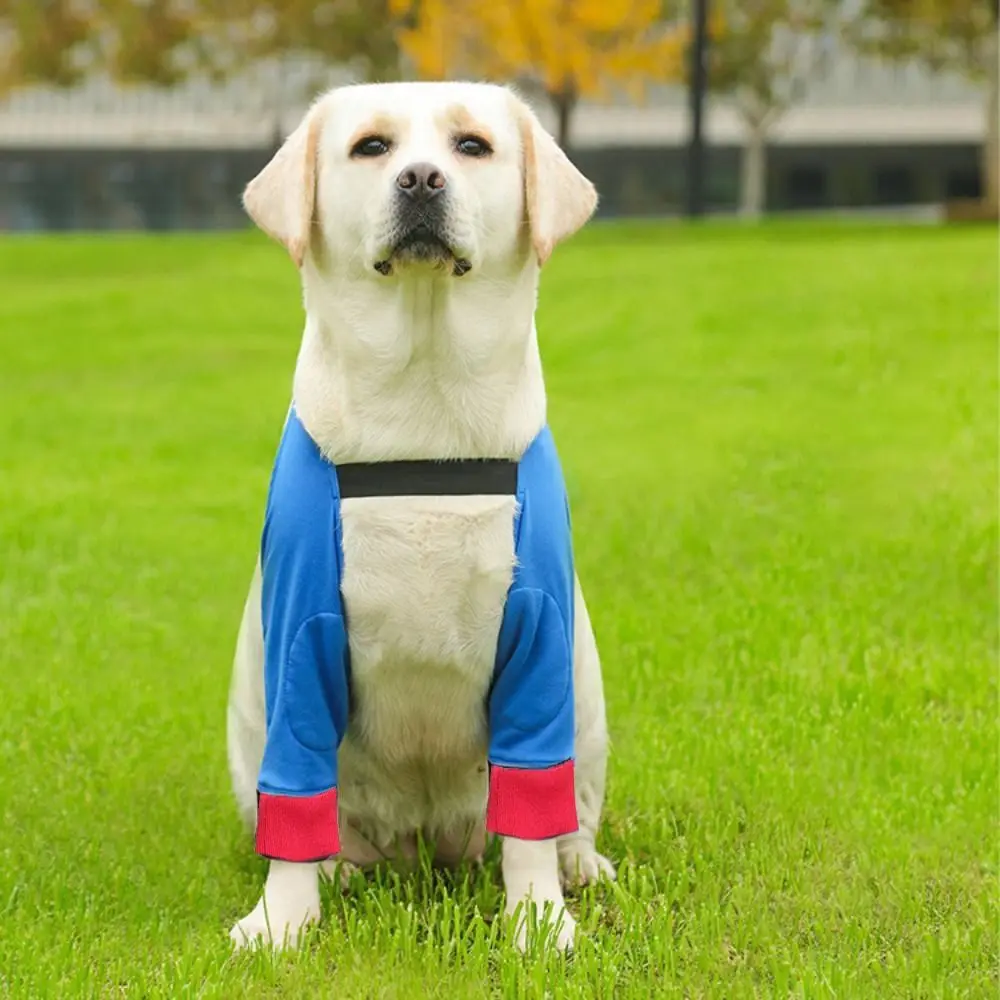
153	114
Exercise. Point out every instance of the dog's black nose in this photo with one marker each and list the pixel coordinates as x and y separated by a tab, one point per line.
420	181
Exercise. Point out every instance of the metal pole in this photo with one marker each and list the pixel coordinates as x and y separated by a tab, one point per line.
697	89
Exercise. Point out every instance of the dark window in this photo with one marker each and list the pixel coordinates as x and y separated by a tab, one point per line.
15	210
204	194
963	183
806	187
17	172
894	186
121	173
722	183
52	192
156	183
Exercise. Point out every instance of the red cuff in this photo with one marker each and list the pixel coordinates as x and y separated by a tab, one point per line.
297	828
532	804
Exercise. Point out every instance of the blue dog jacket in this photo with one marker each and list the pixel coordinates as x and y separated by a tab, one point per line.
529	706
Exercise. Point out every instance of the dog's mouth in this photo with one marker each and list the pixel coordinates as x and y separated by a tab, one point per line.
422	244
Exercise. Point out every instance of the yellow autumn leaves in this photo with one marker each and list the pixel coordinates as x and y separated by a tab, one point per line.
586	47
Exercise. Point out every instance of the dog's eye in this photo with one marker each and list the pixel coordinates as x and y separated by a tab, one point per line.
370	145
470	145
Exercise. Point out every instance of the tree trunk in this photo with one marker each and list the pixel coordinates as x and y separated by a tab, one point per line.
753	172
991	137
565	103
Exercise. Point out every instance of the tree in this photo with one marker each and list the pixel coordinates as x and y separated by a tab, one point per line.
41	41
60	42
946	36
358	33
144	41
164	41
355	34
763	54
569	49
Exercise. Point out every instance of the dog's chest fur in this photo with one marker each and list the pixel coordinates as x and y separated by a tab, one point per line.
424	583
425	580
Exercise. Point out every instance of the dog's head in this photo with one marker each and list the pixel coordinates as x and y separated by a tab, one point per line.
384	178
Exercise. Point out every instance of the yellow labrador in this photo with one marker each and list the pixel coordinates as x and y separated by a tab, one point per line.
419	216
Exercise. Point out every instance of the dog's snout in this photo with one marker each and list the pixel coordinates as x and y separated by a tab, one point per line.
420	181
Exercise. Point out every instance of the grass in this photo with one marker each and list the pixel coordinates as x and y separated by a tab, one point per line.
781	446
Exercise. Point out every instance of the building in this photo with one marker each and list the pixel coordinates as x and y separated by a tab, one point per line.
106	157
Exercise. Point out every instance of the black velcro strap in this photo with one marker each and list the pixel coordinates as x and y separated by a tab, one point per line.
465	477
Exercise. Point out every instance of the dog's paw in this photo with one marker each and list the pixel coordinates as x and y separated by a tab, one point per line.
580	864
338	872
549	922
260	927
289	905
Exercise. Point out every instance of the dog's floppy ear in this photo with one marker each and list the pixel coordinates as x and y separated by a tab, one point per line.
558	198
281	199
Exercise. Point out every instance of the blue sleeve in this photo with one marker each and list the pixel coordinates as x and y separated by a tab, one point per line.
531	707
305	655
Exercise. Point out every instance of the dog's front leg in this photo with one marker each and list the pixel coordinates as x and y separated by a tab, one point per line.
290	903
531	882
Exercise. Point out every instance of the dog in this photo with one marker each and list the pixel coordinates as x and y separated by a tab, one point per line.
404	673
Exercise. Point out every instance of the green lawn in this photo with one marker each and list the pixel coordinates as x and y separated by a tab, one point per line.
782	450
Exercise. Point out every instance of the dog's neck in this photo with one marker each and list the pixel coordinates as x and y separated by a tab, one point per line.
420	366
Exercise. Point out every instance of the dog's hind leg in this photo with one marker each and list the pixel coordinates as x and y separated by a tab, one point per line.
246	718
579	862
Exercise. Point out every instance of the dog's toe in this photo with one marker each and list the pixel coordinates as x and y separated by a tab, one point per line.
257	930
338	872
565	933
580	864
247	933
556	926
